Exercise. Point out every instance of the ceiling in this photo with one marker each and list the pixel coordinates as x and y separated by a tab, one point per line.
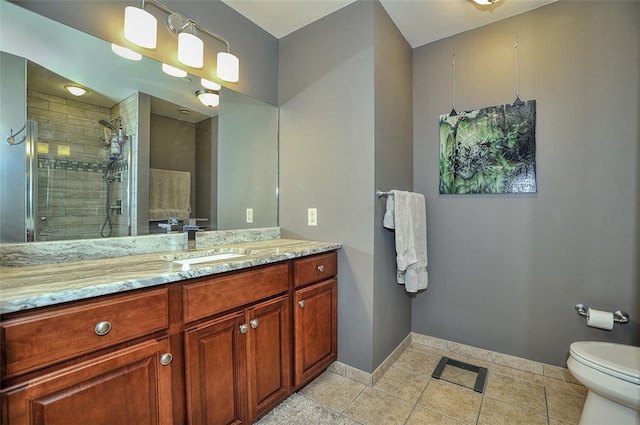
420	21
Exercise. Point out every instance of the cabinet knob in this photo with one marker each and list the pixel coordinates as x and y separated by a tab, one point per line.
165	359
102	328
244	329
301	304
254	323
321	268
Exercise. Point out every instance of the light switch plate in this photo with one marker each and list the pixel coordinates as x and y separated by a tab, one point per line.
312	216
249	215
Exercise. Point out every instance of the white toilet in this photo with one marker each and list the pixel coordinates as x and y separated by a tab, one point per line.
611	373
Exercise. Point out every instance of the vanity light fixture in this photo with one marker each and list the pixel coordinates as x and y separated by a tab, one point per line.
209	84
174	72
125	53
141	29
210	98
76	90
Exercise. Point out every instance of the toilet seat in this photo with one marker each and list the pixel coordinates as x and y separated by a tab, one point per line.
617	360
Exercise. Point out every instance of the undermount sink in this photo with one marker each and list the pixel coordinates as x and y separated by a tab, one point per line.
208	258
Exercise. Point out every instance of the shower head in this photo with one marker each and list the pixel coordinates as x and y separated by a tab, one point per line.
108	124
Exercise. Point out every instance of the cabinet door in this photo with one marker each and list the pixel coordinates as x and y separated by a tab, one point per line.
315	329
127	387
268	355
215	372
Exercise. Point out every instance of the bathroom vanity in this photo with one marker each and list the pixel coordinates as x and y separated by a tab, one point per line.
218	342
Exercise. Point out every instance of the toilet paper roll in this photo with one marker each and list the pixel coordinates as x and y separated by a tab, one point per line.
600	319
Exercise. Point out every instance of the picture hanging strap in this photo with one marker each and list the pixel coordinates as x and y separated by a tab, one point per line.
517	102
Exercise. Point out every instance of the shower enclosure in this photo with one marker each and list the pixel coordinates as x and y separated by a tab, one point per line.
79	184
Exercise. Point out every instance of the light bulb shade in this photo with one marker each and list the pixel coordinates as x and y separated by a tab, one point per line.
140	27
190	50
209	84
228	67
485	2
125	53
76	90
174	72
209	98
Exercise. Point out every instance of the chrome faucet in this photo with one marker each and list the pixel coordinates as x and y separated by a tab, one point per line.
189	231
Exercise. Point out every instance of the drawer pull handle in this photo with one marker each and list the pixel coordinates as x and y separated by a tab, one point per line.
103	328
254	323
301	304
244	329
321	268
165	359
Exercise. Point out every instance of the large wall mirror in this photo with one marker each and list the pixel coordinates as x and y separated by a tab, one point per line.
138	149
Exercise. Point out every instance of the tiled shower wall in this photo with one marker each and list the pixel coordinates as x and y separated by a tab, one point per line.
71	200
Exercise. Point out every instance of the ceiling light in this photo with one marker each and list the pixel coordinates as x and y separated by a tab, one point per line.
208	98
140	27
76	90
174	72
485	2
209	84
190	48
125	53
228	67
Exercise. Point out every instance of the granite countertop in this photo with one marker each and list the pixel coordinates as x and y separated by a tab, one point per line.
23	288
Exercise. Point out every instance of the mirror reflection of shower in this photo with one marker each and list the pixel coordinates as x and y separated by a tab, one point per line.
112	147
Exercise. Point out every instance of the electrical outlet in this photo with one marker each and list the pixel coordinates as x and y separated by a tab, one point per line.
312	216
249	215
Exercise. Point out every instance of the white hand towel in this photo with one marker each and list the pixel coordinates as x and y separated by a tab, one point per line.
410	222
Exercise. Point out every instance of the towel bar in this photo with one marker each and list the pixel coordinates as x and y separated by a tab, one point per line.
619	317
380	193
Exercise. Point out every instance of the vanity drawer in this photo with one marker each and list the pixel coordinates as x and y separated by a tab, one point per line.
215	295
46	338
315	269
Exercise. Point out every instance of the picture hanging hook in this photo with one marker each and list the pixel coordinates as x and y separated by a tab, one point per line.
517	102
453	112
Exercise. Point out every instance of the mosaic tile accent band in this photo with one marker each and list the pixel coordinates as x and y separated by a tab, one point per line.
92	167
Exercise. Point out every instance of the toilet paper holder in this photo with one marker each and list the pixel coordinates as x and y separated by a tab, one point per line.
619	317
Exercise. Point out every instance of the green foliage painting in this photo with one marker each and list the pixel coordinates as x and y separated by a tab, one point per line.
489	150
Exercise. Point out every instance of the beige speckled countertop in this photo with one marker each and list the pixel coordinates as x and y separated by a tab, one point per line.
23	288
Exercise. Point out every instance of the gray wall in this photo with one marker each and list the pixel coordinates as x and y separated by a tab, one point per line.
206	205
507	270
247	161
345	126
13	115
393	170
256	49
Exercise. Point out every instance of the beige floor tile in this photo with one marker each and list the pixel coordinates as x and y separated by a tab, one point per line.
402	383
516	391
554	421
518	363
567	387
495	412
333	390
564	406
436	352
418	361
374	407
467	350
559	373
422	416
451	400
516	373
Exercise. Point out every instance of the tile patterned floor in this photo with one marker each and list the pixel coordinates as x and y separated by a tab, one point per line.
407	395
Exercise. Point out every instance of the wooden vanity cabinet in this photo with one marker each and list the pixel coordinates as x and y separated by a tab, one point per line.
315	316
237	366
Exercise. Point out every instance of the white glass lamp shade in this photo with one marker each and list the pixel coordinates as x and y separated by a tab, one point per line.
140	27
125	53
190	50
209	84
76	90
209	98
228	67
485	2
174	72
